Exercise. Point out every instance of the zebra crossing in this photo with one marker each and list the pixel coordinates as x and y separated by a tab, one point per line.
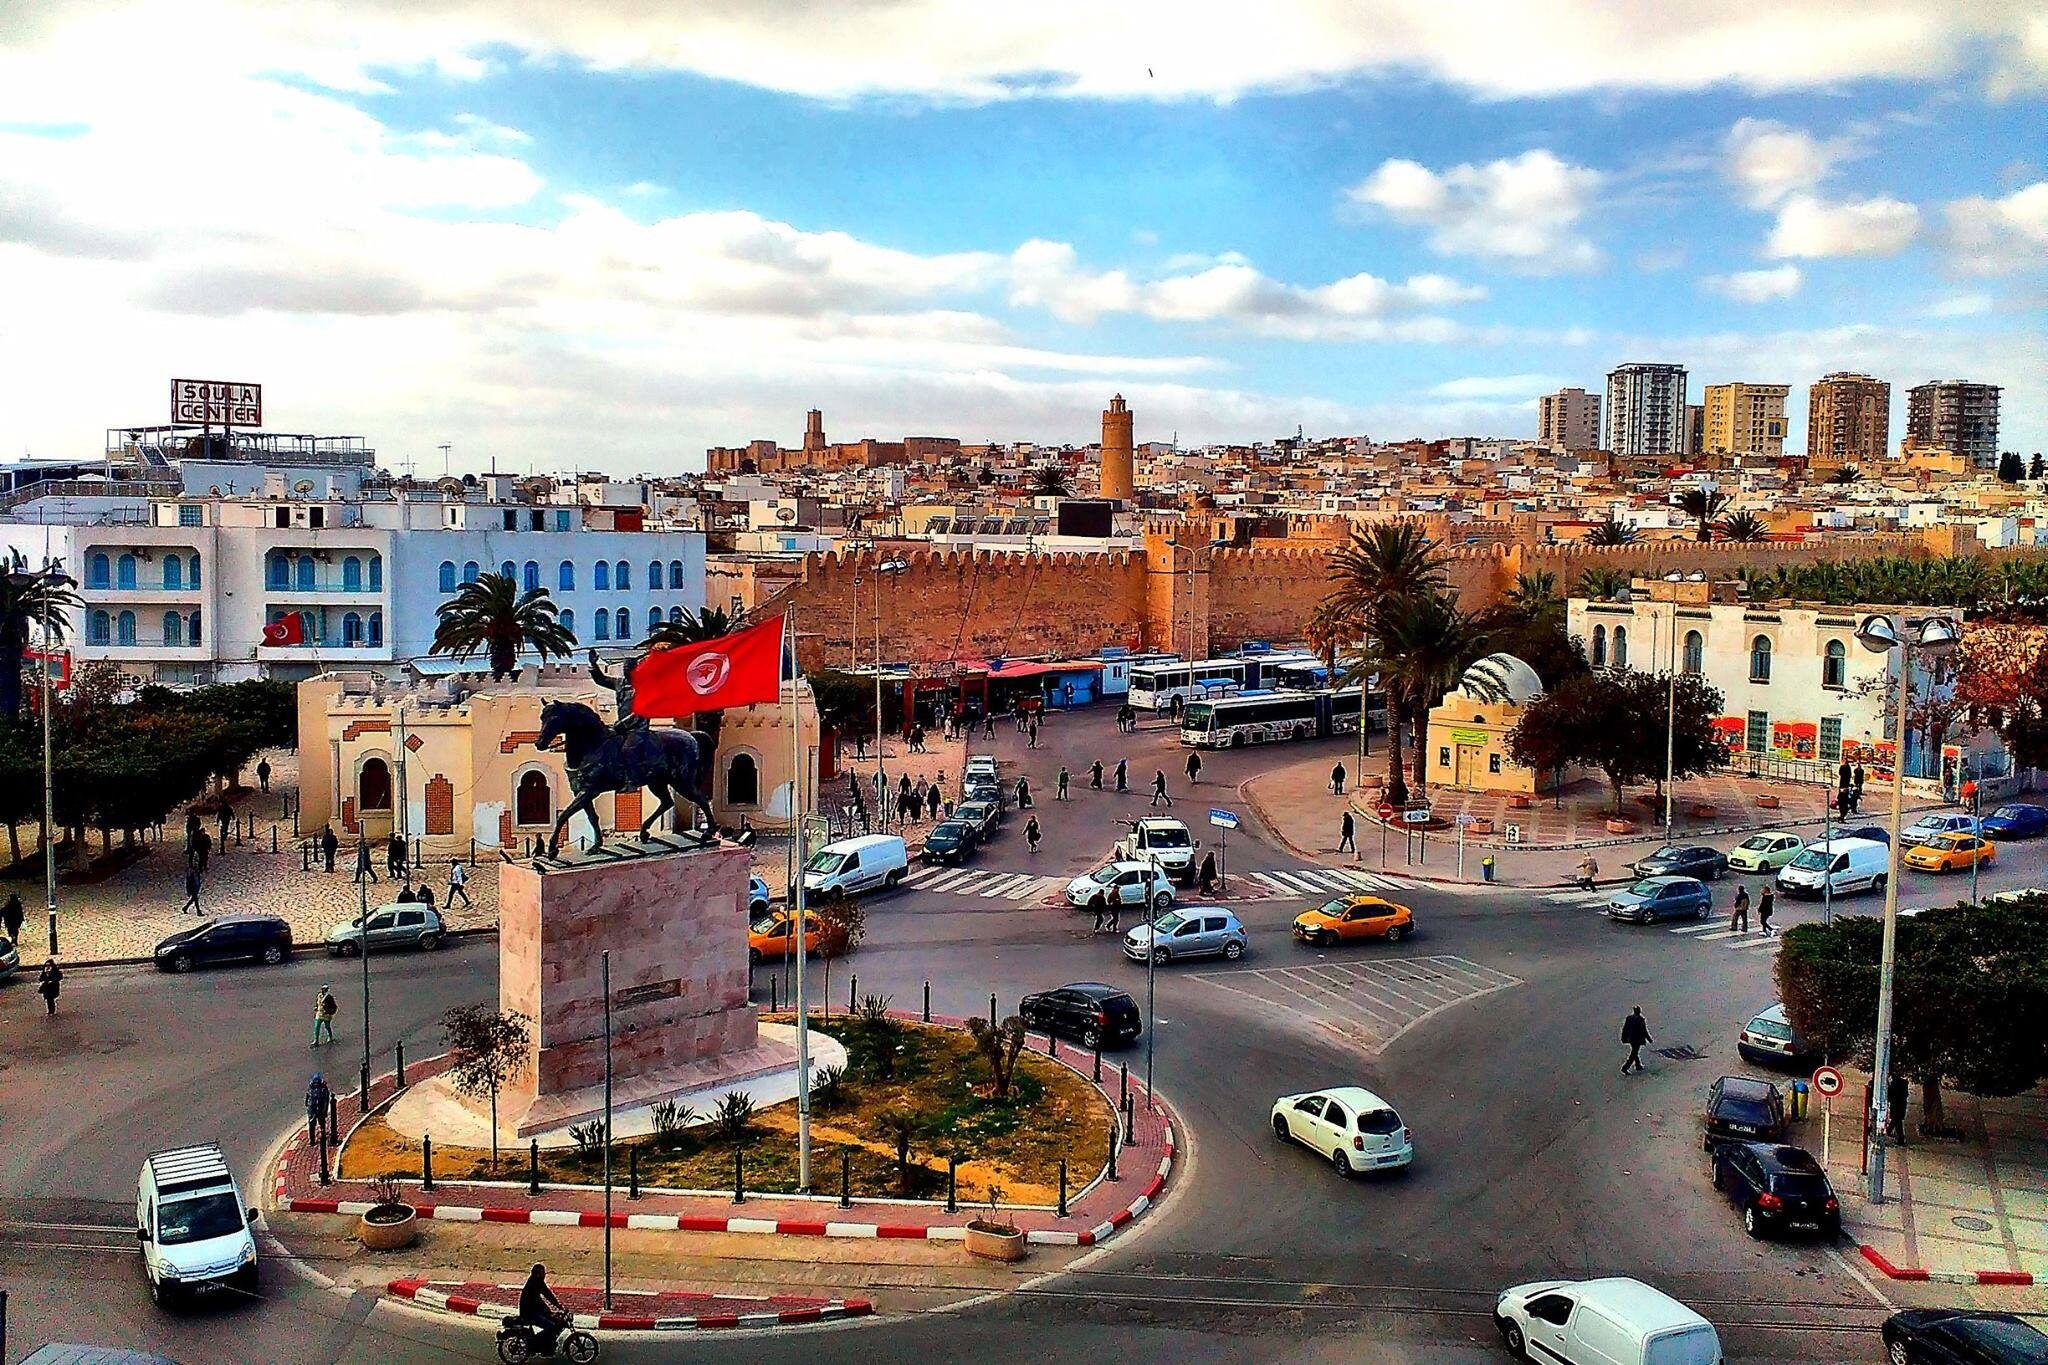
1711	930
1289	883
974	881
1312	881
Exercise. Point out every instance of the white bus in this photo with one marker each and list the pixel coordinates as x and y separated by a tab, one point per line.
1172	685
1269	717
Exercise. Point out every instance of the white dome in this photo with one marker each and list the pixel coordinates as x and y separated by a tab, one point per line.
1502	677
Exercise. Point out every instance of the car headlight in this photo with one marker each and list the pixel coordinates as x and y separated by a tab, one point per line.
249	1255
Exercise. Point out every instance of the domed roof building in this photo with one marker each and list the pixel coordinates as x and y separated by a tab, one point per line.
1469	729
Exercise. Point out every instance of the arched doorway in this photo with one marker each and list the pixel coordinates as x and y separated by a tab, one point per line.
373	786
742	781
533	801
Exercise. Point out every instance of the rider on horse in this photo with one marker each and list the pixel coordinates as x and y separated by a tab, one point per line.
621	688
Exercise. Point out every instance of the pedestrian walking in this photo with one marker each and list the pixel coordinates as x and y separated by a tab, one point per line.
1764	906
325	1007
1159	789
319	1102
988	726
364	868
394	856
1856	803
1347	834
1206	878
1060	792
1101	916
1033	733
1844	799
860	747
1023	794
11	916
329	845
458	885
1844	774
1116	915
1194	767
1897	1094
1095	775
1738	923
1589	869
1635	1032
227	820
1337	779
191	891
917	739
1031	834
263	777
1123	775
203	848
48	983
192	829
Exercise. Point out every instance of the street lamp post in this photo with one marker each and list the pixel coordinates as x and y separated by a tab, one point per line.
1931	635
52	577
884	568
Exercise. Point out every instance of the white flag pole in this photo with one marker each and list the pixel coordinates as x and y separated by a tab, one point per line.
799	940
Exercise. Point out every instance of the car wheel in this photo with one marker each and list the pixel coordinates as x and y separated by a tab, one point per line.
1701	913
272	955
159	1293
429	941
349	949
1232	951
753	957
1511	1337
1160	903
1879	882
1280	1129
1750	1223
1898	1353
1341	1164
1161	956
1237	741
1395	933
181	962
1091	1037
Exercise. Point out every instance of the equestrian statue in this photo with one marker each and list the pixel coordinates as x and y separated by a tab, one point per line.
622	757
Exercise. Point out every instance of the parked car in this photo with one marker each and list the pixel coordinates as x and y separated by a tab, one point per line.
1841	865
10	957
231	938
1743	1109
1955	1336
192	1224
1602	1322
1655	898
390	926
770	936
950	841
1765	852
984	817
987	791
1125	883
1934	824
1191	931
1348	1126
1168	843
847	867
979	765
1089	1012
1768	1039
2017	822
757	897
1683	860
1777	1189
1877	834
1951	853
1350	919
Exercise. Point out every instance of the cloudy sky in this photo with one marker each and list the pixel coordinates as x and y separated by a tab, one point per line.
608	234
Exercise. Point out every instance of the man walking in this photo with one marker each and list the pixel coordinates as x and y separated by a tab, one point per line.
1194	768
1032	732
1060	791
1763	910
191	891
1101	916
364	869
394	856
325	1007
1738	923
1159	789
1346	834
202	849
1023	793
458	885
1856	802
227	820
11	916
1123	779
1635	1032
319	1100
329	845
1337	779
48	984
988	725
1095	775
263	777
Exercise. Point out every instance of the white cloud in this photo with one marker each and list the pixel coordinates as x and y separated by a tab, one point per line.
1959	306
1990	236
1810	227
1769	162
1506	386
1755	286
1523	210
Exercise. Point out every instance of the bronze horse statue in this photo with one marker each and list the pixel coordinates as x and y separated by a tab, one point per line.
600	760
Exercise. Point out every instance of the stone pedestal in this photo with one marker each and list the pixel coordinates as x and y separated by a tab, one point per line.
675	922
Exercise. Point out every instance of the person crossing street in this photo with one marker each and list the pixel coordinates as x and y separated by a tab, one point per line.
1194	769
1031	834
1159	789
1123	781
1635	1032
1347	834
325	1007
1060	792
1095	775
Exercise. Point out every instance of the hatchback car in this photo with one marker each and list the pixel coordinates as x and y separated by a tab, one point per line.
1743	1109
770	936
1655	898
1089	1012
1349	1127
981	816
1951	853
231	938
2017	822
951	841
1932	826
1954	1336
1765	852
1683	860
757	897
1191	931
1350	919
1768	1039
391	926
1777	1189
1121	883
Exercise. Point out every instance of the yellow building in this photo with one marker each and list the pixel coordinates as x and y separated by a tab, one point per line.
1469	729
1745	419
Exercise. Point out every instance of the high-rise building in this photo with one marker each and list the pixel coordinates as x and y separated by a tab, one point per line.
1646	410
1744	419
1848	418
1119	468
1695	427
1957	415
1569	418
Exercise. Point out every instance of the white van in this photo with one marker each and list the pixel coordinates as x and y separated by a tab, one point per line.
192	1224
1603	1322
1166	842
1842	865
847	867
979	765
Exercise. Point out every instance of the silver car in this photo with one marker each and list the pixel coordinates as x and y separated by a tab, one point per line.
1191	931
391	926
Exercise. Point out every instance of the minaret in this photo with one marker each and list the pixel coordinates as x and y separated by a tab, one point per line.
814	431
1119	478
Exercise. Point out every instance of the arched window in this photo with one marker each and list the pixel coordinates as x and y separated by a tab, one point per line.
742	781
601	577
509	571
568	620
376	573
1834	665
1695	661
604	624
675	613
447	575
192	629
124	572
1599	646
653	574
1621	647
373	785
352	574
470	572
124	628
192	574
305	571
1760	659
174	573
565	577
622	576
99	570
174	629
530	579
351	631
376	628
99	628
622	622
653	619
675	573
278	573
533	801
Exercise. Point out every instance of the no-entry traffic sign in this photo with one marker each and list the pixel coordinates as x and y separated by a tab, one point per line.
1385	809
1827	1082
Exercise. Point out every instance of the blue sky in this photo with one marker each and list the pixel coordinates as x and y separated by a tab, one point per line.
585	237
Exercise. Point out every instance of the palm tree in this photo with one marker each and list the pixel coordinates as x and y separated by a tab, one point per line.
1703	504
1744	528
1386	559
1423	648
707	623
1847	474
1612	531
1049	480
43	598
1601	583
1535	598
492	615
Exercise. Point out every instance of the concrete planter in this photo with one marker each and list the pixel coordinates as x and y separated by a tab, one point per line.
1703	811
1519	802
389	1227
995	1241
1768	802
1479	829
1619	826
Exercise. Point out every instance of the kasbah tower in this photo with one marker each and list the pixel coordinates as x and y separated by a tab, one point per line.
1119	476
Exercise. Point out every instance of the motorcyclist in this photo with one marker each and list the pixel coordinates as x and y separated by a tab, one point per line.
541	1311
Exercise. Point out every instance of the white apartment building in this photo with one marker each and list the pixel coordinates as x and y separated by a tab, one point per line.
1646	410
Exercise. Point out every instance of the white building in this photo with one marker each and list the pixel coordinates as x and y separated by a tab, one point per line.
1646	410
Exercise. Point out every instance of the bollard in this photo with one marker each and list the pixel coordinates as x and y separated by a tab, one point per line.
334	1116
852	990
774	993
633	1171
426	1161
845	1179
323	1157
398	1076
1130	1122
1123	1083
927	1002
739	1175
991	1009
1063	1187
952	1184
1111	1175
533	1167
273	837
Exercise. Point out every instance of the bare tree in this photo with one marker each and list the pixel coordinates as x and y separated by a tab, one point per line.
489	1046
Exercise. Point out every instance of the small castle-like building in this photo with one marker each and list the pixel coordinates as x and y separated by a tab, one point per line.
1469	729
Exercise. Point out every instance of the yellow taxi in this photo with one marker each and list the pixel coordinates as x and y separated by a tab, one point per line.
769	936
1951	853
1350	918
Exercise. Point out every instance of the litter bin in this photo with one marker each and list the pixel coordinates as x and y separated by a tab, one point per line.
1486	868
1799	1099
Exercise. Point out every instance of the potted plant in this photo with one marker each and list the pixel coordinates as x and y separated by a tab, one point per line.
995	1238
389	1223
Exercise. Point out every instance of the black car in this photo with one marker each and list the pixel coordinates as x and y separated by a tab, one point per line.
1683	860
1090	1013
950	841
231	938
1743	1109
1875	833
986	791
1950	1336
981	816
1778	1189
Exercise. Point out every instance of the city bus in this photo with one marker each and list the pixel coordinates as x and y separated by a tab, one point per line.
1266	670
1299	675
1166	686
1269	717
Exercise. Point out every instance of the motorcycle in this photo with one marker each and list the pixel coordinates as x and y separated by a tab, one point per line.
518	1342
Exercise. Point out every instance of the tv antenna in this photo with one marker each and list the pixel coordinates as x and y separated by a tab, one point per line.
445	448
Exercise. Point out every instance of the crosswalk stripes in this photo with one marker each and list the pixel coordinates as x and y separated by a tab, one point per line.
1713	931
974	881
1288	883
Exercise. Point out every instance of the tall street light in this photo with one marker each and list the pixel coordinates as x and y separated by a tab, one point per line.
884	569
52	577
1931	636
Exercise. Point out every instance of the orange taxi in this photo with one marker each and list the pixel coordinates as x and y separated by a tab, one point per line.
769	936
1350	918
1951	853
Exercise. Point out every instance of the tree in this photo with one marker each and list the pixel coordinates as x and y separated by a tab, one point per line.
1049	480
1530	624
842	924
1421	650
1379	576
25	598
999	1048
902	1127
1615	720
491	615
1744	528
1703	504
489	1047
1847	474
1601	583
2037	468
1535	597
694	628
2011	468
1612	531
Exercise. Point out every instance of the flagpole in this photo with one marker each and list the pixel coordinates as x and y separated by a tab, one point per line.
800	941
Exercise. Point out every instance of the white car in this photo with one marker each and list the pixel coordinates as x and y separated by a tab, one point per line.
1602	1322
192	1226
1349	1127
1121	883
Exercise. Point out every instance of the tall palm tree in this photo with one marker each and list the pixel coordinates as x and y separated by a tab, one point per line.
25	598
1423	648
1535	598
1601	583
1049	480
492	615
1744	528
1847	474
1385	559
1703	504
707	623
1612	531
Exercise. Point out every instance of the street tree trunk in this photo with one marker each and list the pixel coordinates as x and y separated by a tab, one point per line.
1421	748
1933	1120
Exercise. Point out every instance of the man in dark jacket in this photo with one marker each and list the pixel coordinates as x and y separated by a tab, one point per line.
317	1104
541	1310
329	846
11	916
1635	1031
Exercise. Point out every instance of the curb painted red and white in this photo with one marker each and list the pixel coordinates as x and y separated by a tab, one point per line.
1884	1267
448	1297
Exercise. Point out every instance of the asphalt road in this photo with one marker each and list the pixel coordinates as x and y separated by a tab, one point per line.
1493	1030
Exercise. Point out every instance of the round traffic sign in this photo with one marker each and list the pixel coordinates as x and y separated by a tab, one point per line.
1385	809
1827	1081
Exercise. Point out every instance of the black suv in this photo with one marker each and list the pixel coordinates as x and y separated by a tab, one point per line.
1089	1012
1944	1336
1777	1188
950	842
231	938
1743	1109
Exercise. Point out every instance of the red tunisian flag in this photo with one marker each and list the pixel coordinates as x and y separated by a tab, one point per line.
733	670
285	630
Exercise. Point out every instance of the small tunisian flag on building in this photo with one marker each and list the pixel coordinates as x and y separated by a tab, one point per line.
285	630
733	670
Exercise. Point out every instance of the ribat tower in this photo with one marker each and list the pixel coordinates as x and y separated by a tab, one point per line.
1119	475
